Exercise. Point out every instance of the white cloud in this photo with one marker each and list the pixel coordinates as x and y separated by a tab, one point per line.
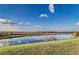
20	23
6	21
77	23
9	20
43	15
28	22
51	8
3	20
8	25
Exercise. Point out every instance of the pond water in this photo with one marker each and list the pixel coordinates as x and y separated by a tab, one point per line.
32	39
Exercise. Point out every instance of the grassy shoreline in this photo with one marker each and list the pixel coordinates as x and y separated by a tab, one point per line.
61	47
14	36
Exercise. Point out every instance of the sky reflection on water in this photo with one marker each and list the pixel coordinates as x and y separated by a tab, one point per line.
32	39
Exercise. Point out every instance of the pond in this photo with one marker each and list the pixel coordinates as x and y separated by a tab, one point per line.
32	39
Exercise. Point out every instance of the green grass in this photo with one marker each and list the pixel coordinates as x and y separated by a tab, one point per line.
14	36
62	47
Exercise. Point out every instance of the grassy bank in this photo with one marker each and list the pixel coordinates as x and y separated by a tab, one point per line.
14	36
62	47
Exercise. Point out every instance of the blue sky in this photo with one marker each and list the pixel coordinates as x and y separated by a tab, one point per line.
27	17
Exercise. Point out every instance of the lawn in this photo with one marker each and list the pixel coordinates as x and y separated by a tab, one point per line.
61	47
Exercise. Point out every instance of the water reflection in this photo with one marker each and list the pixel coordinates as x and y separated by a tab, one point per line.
31	39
